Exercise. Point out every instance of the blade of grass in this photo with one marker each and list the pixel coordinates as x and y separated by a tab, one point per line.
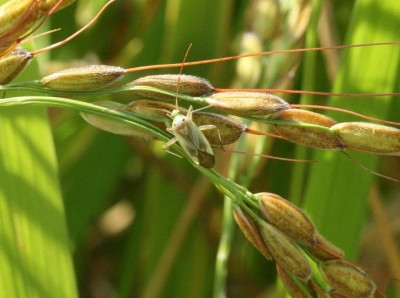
35	254
83	201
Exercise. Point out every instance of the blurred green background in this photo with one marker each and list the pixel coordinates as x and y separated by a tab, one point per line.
143	223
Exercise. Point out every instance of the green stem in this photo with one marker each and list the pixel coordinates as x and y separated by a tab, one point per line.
224	249
80	106
230	188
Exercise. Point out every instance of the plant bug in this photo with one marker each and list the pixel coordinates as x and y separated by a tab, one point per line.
191	138
188	134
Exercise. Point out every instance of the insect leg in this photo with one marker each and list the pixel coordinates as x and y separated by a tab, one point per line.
170	143
202	108
205	127
210	126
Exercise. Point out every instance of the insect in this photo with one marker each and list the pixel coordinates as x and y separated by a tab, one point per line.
191	138
189	135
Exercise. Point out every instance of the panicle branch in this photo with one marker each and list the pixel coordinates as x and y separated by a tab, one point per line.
281	231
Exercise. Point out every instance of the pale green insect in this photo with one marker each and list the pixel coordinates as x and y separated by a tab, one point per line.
188	134
190	137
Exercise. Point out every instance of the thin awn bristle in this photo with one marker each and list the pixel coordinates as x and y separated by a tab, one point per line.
217	60
76	33
180	73
346	112
320	93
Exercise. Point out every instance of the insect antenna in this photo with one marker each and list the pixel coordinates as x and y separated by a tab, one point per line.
258	54
179	76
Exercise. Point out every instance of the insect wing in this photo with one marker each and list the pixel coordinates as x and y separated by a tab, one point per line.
187	145
205	159
198	138
195	144
205	154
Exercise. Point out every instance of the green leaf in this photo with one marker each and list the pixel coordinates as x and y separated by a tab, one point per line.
35	254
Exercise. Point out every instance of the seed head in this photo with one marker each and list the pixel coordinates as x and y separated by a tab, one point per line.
248	103
251	231
285	252
336	294
369	137
16	18
287	217
46	5
151	110
324	250
188	85
308	136
291	286
12	63
114	126
84	78
227	129
348	279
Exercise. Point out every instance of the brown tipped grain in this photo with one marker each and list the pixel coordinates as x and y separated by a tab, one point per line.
292	287
324	250
46	5
12	63
287	217
227	129
118	127
314	137
84	78
16	18
251	231
151	110
285	252
348	279
188	85
336	294
369	137
248	103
